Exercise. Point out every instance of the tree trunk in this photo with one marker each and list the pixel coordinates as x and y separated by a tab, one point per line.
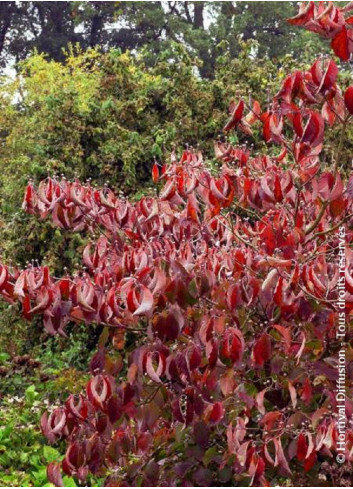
96	26
7	9
198	15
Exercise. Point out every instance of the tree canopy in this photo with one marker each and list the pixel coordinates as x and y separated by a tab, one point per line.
49	27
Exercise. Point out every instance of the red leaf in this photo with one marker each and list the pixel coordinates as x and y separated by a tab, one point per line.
302	447
217	412
348	99
153	373
75	460
328	114
262	350
227	382
254	113
231	346
54	474
314	129
80	409
20	285
85	295
330	76
285	332
146	304
168	190
169	324
337	206
310	461
3	275
28	201
64	286
26	305
53	425
272	129
155	173
212	352
293	394
301	349
278	292
280	459
143	442
324	73
305	14
236	115
98	391
114	408
260	397
194	358
192	209
340	45
260	468
44	299
307	393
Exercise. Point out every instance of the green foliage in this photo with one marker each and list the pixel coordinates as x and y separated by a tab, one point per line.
60	353
24	456
106	116
28	384
54	364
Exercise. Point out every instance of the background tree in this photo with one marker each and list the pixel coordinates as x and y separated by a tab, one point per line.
49	27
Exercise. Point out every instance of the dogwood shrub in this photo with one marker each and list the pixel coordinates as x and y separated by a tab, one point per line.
228	285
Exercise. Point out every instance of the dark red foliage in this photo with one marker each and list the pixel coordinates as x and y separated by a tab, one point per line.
348	99
228	283
330	21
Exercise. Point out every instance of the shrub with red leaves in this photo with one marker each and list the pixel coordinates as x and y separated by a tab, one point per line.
228	283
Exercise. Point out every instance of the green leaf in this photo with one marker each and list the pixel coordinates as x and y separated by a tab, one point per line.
156	150
209	455
31	394
4	357
69	482
50	454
